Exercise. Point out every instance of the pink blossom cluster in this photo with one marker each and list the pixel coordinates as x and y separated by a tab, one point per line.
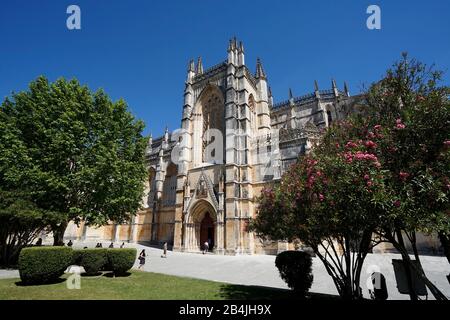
399	124
360	155
350	145
403	175
370	144
420	98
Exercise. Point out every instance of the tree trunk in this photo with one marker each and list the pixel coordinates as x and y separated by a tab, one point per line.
445	241
407	266
58	234
400	246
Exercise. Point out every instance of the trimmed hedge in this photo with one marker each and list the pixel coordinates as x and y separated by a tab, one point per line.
93	260
76	257
121	260
295	269
39	265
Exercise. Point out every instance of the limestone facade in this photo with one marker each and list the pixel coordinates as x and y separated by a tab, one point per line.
204	178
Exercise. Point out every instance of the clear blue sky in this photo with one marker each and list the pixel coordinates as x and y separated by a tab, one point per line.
139	50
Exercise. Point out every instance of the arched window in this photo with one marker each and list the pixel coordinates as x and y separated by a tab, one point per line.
330	119
150	186
170	186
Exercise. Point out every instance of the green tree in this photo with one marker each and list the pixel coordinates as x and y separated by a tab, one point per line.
411	111
383	171
20	223
330	200
81	155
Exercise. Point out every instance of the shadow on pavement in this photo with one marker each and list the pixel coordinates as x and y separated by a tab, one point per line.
241	292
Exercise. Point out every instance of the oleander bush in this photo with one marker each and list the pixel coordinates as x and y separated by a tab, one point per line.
295	269
121	260
39	265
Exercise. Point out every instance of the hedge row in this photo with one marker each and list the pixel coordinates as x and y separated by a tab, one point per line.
47	264
118	261
43	264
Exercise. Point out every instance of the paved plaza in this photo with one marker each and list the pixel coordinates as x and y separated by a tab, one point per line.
260	270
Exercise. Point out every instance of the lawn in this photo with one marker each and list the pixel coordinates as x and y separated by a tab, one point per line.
142	286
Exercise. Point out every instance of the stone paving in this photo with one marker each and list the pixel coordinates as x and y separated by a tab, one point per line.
5	274
260	270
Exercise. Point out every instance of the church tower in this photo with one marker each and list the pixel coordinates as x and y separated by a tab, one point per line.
226	107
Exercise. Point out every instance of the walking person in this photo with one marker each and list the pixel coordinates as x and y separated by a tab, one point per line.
141	259
111	246
205	247
164	250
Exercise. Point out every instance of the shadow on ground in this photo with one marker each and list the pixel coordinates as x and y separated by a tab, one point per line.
241	292
23	284
120	275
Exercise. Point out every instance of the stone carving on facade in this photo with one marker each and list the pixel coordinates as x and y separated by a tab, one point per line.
204	190
201	191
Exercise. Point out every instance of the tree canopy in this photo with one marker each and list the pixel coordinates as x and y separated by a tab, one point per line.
376	176
73	151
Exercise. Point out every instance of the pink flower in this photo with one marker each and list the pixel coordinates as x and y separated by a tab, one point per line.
321	197
397	203
399	124
377	127
369	183
370	144
403	175
351	145
447	143
366	177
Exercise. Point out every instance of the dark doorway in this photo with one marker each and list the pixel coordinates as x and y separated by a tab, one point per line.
207	231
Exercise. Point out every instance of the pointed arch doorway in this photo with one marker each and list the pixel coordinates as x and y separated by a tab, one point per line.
202	225
207	231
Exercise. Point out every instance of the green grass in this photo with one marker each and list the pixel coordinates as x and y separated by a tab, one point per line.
142	286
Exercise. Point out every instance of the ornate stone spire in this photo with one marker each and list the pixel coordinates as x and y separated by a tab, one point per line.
291	97
335	90
241	47
199	66
191	65
149	144
333	84
316	89
191	71
316	86
346	89
260	74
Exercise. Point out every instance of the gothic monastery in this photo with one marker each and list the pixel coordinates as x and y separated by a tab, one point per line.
235	141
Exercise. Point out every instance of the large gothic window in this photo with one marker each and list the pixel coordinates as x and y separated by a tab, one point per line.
213	115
